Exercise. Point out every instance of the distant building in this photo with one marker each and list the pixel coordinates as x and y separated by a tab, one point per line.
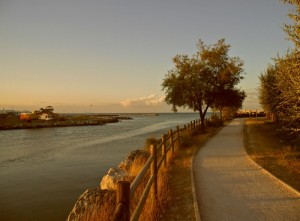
42	114
46	113
26	115
46	116
250	113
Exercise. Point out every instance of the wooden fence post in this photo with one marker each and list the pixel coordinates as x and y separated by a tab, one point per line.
123	202
154	170
171	140
178	136
164	149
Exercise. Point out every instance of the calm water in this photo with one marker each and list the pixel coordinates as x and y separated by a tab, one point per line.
44	171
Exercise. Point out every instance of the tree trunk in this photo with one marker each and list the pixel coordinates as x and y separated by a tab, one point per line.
202	118
221	114
202	114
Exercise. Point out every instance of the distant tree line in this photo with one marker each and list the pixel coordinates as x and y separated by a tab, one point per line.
279	90
205	80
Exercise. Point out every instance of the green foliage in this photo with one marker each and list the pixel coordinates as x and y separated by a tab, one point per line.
229	113
269	94
279	90
293	30
186	141
288	83
204	79
214	121
231	98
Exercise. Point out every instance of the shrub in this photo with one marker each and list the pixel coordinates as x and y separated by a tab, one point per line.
185	141
214	121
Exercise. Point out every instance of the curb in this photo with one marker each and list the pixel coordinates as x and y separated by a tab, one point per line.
196	206
266	172
263	170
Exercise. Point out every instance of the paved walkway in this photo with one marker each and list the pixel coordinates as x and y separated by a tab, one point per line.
230	186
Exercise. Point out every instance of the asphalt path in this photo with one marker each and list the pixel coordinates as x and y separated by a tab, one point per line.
230	186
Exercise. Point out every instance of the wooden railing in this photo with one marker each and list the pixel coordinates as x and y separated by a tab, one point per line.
125	190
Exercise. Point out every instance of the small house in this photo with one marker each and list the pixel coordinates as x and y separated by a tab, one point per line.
45	116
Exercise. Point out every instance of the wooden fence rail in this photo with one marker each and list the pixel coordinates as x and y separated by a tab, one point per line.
125	190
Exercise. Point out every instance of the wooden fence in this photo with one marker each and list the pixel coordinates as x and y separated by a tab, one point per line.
125	190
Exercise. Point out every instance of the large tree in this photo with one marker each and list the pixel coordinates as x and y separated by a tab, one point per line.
196	82
269	94
288	83
279	90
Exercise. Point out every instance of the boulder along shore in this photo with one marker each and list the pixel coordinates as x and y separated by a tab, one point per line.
93	198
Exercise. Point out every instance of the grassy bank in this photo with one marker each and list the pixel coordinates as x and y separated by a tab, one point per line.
101	204
267	147
182	205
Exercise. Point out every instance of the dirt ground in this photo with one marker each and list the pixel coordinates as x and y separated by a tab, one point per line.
267	147
182	206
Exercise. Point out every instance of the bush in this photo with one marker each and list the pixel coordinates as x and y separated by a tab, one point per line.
214	121
185	141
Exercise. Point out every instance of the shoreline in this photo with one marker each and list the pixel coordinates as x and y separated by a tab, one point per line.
73	120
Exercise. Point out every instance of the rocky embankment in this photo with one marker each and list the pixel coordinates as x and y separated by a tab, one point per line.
94	198
13	122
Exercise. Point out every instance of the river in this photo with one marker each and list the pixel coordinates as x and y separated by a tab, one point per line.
44	171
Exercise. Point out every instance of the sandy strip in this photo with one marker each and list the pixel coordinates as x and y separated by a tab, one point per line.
230	186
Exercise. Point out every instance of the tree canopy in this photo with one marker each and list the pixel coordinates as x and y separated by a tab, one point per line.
205	80
279	90
293	30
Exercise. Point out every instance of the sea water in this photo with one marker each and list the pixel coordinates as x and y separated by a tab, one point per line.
44	171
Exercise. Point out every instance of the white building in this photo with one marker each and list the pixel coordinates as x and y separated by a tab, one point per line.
45	116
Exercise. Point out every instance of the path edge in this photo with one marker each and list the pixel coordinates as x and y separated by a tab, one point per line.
196	205
266	171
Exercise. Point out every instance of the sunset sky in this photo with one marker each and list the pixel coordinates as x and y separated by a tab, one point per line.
111	56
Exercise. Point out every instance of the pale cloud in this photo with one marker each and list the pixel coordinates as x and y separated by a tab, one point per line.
151	100
251	101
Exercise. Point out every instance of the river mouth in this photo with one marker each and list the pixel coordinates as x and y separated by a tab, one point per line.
44	171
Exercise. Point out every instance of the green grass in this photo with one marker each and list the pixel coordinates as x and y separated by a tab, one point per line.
269	148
